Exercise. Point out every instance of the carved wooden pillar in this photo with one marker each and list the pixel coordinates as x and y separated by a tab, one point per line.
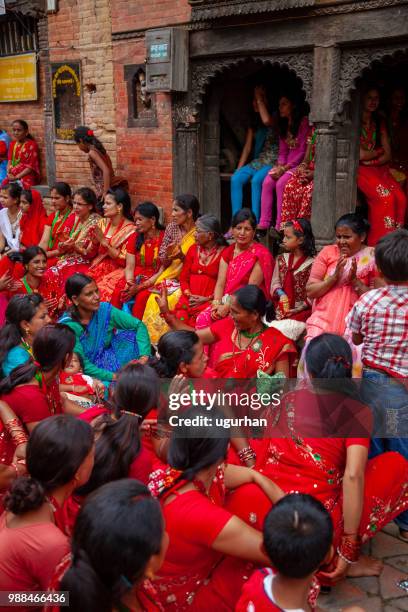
48	102
186	147
323	113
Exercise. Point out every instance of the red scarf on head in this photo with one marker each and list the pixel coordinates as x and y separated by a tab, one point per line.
289	280
32	223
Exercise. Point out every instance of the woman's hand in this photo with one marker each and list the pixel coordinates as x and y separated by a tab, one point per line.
51	303
196	300
69	245
339	267
352	277
277	172
161	299
174	251
220	311
5	281
99	236
99	388
339	572
179	385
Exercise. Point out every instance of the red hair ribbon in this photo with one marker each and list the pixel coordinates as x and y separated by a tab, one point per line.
296	226
90	133
340	359
37	364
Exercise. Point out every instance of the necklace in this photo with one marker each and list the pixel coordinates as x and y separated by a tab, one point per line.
57	226
27	286
254	335
206	256
26	346
115	231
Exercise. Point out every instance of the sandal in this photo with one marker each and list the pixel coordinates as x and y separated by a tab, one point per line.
403	538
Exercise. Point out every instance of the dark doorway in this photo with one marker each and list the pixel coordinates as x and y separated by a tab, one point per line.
226	116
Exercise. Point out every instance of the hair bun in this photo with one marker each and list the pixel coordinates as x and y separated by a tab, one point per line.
25	494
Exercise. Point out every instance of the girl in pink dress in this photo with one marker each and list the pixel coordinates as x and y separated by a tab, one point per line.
294	130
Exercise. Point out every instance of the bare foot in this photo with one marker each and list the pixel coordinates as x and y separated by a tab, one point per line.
403	534
365	566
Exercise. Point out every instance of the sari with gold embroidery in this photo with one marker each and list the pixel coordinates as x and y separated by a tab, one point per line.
155	324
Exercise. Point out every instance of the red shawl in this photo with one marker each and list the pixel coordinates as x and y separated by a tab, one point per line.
32	223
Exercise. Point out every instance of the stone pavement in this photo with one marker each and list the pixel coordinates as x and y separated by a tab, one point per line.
375	594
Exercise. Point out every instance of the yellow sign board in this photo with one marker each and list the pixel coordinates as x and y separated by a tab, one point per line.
18	78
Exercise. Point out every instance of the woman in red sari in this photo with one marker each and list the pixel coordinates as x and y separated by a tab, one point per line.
211	556
319	446
292	271
200	270
35	281
59	224
59	456
243	343
112	236
386	200
118	546
31	390
143	265
79	248
297	197
23	157
33	218
242	263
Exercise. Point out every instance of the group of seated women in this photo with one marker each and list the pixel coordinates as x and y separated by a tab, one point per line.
104	319
283	150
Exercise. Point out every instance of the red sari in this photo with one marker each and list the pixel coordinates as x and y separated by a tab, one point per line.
106	270
198	279
292	279
315	465
193	575
385	199
268	348
60	228
22	156
32	223
298	193
31	404
147	263
49	289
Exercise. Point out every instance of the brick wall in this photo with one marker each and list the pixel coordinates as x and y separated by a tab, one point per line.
139	14
145	155
81	30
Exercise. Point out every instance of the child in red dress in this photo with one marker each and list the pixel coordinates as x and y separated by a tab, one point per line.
297	534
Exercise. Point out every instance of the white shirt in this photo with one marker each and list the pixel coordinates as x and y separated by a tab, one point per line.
13	242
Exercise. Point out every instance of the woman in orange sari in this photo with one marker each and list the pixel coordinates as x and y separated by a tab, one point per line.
23	157
112	234
58	224
386	200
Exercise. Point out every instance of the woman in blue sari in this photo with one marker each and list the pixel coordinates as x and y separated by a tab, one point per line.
106	338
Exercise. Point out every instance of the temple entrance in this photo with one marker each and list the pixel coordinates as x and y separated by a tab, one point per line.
226	115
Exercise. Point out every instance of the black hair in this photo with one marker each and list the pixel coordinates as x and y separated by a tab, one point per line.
28	195
150	211
329	360
51	346
355	222
86	135
73	286
13	189
298	532
375	116
63	189
174	348
88	195
297	115
244	214
187	202
56	449
210	223
32	252
252	299
118	443
194	449
80	359
391	255
118	529
308	246
20	308
123	198
24	125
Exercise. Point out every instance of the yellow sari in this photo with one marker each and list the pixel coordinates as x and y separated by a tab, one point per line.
155	324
